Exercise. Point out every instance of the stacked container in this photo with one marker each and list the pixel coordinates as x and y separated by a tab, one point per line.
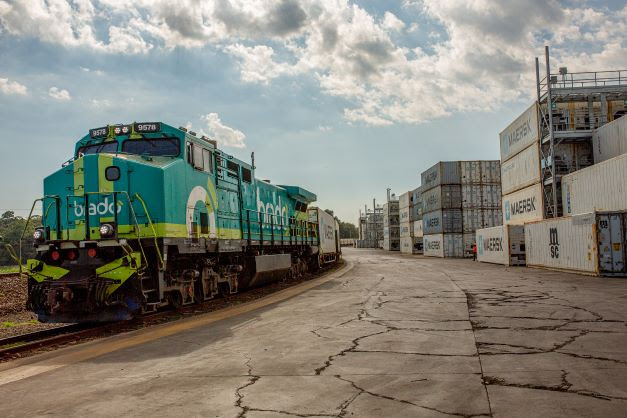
520	170
481	199
503	244
442	210
391	226
410	211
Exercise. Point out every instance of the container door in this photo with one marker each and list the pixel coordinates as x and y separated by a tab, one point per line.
611	243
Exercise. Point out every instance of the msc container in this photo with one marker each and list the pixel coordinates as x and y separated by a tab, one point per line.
442	221
503	244
405	200
418	231
442	197
521	133
443	245
592	243
404	214
444	172
469	239
406	229
600	187
610	140
329	230
491	172
491	195
526	205
470	172
522	170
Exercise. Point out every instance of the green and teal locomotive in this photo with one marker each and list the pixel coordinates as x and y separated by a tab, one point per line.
146	215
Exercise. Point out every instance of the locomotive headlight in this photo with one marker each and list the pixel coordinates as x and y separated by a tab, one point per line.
106	230
39	234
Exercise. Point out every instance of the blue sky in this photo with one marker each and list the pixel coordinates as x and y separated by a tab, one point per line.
343	98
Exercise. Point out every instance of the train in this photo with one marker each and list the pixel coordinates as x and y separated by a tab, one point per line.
146	215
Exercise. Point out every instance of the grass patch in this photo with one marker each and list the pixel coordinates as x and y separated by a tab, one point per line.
11	324
9	269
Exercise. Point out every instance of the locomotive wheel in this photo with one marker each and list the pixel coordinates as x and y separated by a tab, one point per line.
175	298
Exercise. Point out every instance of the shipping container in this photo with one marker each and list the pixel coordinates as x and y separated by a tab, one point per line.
474	219
470	172
329	231
411	245
521	170
520	134
592	243
601	187
526	205
442	197
405	200
391	220
443	245
390	208
404	214
415	213
491	172
391	244
444	172
418	230
442	221
491	196
469	239
391	232
406	229
503	244
610	140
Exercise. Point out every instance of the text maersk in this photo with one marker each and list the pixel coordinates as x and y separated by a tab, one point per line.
519	133
522	206
493	244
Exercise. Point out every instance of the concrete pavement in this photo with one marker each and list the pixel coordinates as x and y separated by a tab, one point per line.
395	336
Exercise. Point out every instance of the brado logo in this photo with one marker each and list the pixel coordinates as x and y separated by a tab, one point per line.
102	208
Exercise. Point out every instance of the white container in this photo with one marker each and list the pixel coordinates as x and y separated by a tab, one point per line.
418	232
563	244
470	172
328	230
522	170
600	187
526	205
610	140
391	244
443	245
444	172
390	208
405	200
406	229
442	197
404	214
521	133
491	172
502	245
410	245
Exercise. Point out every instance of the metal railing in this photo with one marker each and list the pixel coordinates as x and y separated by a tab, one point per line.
585	79
262	227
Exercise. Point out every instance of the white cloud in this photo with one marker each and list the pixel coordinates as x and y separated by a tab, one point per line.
12	87
225	135
479	57
59	94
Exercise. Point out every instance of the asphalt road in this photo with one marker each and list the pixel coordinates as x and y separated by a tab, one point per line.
393	336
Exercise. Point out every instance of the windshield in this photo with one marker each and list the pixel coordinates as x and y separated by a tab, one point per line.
109	147
168	147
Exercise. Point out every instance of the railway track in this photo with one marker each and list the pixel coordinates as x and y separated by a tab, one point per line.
30	343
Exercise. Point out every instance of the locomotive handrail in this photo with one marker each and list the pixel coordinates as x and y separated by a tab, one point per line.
301	231
161	262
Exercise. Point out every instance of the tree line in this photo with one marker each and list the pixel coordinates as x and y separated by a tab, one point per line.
11	229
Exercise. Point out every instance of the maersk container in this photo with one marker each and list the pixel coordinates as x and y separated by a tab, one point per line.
444	172
491	196
610	140
442	197
405	200
520	134
491	172
411	245
442	221
503	244
600	187
443	245
406	229
592	243
418	230
526	205
470	172
521	170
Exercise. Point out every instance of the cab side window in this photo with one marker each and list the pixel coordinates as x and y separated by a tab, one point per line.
206	158
198	161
